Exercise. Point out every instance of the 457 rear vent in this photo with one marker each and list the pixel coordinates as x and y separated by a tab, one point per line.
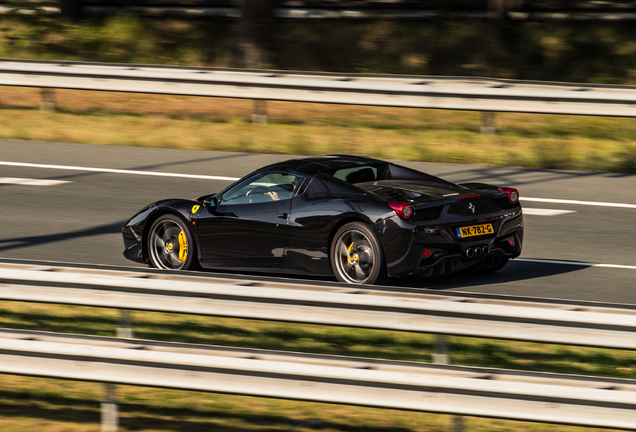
428	214
470	207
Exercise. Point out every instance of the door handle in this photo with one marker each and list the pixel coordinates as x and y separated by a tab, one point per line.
283	216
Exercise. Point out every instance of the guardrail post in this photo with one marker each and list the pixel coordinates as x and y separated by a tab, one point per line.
47	99
125	327
110	416
458	424
259	115
499	8
440	356
488	123
71	9
440	350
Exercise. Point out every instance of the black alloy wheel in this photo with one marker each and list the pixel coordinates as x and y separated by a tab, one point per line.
170	244
356	255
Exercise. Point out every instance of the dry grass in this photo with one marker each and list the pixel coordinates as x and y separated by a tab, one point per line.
38	404
567	142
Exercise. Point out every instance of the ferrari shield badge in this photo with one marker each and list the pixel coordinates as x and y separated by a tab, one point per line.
195	209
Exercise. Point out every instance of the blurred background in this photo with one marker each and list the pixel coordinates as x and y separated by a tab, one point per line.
554	40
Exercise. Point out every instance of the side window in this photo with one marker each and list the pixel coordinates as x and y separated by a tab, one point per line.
359	174
263	187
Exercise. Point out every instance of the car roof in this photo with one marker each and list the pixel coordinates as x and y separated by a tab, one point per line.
318	164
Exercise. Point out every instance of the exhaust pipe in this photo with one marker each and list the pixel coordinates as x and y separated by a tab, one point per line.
450	267
477	251
439	269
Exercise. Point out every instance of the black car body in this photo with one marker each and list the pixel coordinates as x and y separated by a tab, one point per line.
354	217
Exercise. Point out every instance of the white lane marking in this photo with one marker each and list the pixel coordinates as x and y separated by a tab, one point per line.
30	182
576	263
545	212
223	178
117	171
587	203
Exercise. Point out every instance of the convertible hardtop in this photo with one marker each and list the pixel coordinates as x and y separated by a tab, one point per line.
362	165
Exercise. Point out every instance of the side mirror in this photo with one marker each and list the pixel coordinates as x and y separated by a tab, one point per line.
210	202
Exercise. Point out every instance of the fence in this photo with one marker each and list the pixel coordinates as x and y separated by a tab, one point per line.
414	386
530	396
568	323
433	92
517	10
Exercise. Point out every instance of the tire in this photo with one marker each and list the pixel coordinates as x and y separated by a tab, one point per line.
170	244
356	255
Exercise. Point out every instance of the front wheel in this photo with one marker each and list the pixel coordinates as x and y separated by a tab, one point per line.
356	255
170	244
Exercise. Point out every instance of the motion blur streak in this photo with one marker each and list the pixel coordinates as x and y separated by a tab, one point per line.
30	182
545	212
588	203
576	263
116	171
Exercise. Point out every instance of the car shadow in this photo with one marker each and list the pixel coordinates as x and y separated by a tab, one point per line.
7	244
514	271
521	176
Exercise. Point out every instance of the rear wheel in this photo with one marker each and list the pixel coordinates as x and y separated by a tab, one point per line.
356	255
170	244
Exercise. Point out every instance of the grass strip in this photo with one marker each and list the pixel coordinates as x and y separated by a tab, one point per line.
526	140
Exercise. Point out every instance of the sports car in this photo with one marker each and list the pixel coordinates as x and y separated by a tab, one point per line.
356	218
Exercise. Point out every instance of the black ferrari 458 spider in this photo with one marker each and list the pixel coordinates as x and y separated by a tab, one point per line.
357	218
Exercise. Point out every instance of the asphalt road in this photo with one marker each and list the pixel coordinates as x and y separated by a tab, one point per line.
79	221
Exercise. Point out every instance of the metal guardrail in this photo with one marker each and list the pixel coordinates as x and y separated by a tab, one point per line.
516	10
539	397
558	323
456	93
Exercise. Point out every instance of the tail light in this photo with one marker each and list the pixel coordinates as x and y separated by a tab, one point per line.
403	210
513	194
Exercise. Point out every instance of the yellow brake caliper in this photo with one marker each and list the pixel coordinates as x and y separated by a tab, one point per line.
183	247
349	256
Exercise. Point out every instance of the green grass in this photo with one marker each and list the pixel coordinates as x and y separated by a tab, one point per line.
29	404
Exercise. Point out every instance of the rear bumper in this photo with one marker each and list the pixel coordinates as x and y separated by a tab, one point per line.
450	253
450	263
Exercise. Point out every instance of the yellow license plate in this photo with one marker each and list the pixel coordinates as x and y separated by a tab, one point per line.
475	230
